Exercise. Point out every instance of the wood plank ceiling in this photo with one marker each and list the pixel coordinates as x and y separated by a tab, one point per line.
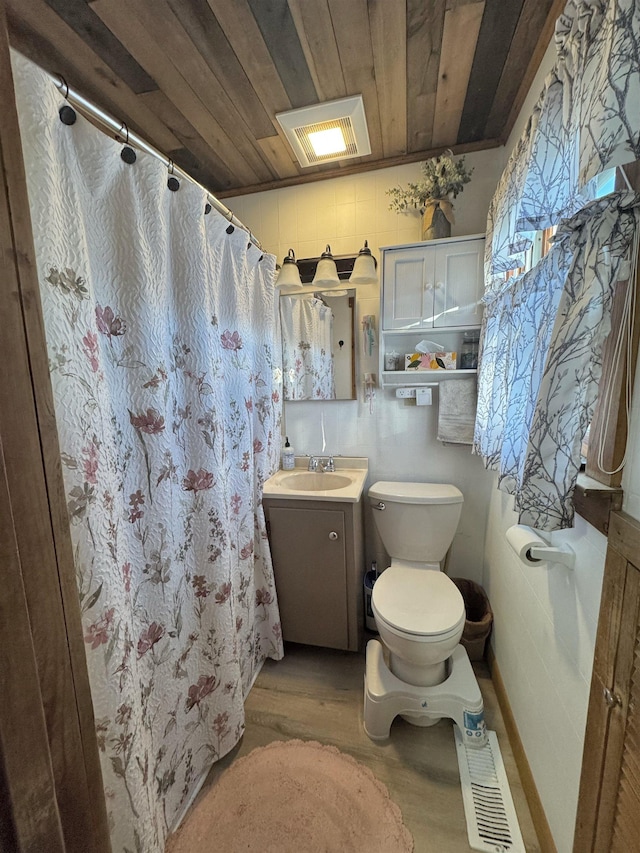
202	80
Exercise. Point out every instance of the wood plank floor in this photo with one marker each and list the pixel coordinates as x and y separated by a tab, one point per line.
316	694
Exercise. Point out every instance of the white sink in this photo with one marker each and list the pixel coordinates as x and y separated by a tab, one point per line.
312	481
345	484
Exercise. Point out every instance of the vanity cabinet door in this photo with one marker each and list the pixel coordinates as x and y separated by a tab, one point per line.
310	567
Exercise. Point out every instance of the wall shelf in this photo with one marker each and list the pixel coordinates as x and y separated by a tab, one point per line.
430	292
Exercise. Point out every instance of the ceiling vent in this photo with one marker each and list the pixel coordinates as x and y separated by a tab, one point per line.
322	133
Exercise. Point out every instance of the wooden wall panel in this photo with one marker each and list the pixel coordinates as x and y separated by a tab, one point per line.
531	20
459	37
79	15
245	38
158	18
279	33
40	524
425	22
499	22
388	22
314	26
229	66
353	37
39	33
207	36
120	18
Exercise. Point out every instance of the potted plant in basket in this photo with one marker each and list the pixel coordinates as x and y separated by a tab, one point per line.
442	179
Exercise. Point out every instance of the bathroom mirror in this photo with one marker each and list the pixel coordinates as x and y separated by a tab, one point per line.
318	340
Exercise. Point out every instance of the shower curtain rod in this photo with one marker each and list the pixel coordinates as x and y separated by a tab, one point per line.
120	127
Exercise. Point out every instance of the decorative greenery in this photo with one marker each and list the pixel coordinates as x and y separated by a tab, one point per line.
443	177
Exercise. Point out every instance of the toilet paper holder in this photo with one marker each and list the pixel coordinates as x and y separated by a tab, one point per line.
564	554
532	548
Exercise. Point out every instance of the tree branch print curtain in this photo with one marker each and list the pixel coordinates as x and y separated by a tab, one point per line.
543	331
307	349
166	371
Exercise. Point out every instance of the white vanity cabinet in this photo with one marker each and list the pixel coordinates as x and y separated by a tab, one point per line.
430	290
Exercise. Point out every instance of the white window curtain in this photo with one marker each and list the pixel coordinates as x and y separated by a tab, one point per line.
307	353
543	331
165	368
541	360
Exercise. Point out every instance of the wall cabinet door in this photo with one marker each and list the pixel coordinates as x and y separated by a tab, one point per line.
433	285
458	284
407	288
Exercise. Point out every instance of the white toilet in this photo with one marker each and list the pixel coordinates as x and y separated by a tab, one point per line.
420	616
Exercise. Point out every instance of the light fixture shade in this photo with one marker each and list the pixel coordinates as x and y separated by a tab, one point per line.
326	271
364	269
289	276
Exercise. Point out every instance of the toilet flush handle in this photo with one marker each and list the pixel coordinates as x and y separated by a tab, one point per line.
379	505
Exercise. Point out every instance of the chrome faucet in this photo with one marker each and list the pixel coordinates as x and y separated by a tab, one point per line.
321	465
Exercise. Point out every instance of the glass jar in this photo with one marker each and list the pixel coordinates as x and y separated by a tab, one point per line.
469	350
391	360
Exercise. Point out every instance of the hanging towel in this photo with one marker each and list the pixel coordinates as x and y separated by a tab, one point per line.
457	410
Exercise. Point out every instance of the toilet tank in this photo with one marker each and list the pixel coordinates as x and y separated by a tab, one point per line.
419	520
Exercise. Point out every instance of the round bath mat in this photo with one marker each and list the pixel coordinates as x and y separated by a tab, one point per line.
295	797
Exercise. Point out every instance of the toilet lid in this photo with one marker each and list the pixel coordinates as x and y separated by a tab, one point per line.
418	601
416	493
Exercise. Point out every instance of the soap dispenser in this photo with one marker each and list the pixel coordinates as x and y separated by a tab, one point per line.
288	456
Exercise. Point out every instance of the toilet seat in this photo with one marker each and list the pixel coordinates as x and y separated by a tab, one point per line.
420	603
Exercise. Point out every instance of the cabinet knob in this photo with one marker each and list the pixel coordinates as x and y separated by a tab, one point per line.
611	699
333	536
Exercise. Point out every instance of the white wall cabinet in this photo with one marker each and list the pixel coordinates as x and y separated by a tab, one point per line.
430	290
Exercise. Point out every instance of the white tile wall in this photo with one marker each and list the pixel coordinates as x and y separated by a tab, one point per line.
399	440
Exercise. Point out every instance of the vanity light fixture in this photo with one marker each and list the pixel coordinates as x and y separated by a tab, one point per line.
333	130
326	271
289	276
365	267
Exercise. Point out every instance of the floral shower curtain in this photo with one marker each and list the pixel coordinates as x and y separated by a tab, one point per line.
166	372
307	349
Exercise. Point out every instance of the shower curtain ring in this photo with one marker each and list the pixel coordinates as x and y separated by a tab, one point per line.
170	166
66	86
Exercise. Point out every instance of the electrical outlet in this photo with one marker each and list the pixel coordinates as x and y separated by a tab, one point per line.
405	393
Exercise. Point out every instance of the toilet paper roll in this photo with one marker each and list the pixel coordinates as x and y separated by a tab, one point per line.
522	539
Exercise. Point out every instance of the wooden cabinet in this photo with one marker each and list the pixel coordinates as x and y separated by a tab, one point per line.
608	819
430	285
318	563
430	290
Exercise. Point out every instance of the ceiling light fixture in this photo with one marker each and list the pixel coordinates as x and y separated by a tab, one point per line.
345	116
330	141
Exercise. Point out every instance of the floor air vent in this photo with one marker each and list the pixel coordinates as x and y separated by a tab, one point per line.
492	824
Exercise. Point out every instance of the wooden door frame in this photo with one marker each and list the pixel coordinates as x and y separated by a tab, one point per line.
615	640
51	782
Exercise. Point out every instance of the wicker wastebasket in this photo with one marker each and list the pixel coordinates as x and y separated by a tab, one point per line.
477	626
